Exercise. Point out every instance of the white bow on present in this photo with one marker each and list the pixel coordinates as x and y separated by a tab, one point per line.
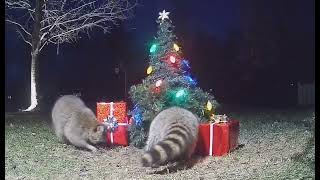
219	118
215	119
111	123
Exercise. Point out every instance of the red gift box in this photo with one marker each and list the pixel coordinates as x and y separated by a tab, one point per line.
116	109
119	136
217	139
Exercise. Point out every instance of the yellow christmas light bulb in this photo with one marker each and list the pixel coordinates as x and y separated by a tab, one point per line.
209	106
176	47
149	70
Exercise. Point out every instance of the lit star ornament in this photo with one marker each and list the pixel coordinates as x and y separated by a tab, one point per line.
163	15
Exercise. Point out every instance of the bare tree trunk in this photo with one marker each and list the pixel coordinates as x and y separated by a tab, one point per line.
35	55
33	89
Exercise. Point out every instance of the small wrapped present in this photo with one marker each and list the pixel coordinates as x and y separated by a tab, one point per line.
116	109
117	133
217	139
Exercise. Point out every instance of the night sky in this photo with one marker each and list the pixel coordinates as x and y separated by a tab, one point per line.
246	51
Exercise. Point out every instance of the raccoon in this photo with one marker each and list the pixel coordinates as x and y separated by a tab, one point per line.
172	137
75	123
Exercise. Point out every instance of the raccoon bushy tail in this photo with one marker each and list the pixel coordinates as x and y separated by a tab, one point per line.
172	147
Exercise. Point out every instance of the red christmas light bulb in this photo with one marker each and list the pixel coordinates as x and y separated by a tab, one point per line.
172	59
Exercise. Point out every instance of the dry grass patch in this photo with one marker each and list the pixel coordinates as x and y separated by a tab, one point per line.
277	145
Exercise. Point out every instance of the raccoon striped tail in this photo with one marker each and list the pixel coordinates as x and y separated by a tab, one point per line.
175	145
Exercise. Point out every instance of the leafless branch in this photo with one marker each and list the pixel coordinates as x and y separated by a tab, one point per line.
64	20
43	45
19	25
66	24
19	4
22	36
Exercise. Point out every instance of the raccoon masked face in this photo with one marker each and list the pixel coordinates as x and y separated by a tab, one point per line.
98	135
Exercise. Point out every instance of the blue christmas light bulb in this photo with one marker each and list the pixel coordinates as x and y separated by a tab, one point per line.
190	80
137	116
185	65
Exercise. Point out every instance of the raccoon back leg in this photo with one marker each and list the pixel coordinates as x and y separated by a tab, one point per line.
59	133
59	130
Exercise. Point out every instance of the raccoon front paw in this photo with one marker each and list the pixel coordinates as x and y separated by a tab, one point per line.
92	148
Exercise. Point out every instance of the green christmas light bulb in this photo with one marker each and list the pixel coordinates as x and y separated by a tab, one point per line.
180	93
153	48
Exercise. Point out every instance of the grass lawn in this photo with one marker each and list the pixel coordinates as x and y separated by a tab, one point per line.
278	144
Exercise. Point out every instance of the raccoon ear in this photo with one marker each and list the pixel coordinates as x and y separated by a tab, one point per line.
100	128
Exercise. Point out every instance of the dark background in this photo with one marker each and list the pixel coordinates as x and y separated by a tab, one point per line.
248	52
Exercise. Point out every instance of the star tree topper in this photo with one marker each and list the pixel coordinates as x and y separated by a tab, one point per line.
163	15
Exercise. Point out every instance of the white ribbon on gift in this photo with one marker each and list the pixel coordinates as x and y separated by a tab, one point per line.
111	109
211	136
111	133
111	137
111	115
211	139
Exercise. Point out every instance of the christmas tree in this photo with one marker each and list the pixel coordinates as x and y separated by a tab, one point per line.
169	83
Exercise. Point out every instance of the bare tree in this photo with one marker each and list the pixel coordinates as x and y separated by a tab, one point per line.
41	22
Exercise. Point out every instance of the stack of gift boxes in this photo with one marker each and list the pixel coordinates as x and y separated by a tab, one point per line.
216	138
117	111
